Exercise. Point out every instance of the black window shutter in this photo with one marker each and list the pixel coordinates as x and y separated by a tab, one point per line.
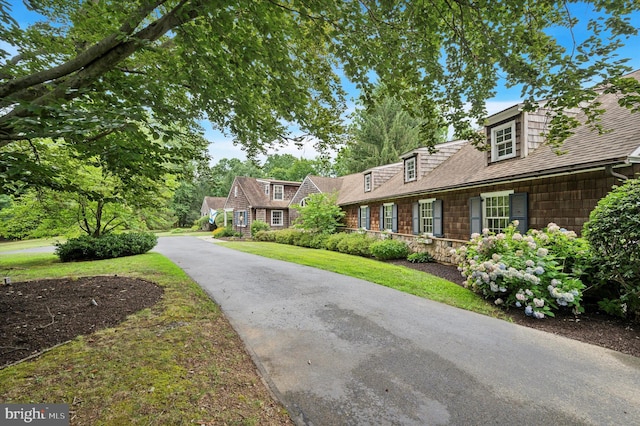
382	217
368	219
475	213
438	223
394	224
359	217
518	210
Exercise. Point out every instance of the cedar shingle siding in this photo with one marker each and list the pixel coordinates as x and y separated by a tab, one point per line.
540	185
554	188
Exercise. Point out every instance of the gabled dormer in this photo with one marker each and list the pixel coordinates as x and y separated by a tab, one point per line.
515	133
420	161
368	182
411	167
376	176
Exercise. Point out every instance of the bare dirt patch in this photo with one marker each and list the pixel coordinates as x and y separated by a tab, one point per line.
594	327
40	314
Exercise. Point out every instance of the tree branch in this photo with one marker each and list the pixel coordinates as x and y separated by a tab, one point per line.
99	49
68	89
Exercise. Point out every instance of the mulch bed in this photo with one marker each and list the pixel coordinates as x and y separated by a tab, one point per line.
37	315
592	327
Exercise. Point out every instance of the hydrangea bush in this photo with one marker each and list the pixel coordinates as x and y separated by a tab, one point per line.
538	272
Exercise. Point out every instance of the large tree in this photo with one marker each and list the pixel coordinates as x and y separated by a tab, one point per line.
252	68
83	195
382	131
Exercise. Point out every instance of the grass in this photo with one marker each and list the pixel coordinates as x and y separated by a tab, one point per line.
27	244
179	362
397	277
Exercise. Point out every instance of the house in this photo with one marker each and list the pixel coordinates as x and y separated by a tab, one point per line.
447	196
253	199
313	185
210	207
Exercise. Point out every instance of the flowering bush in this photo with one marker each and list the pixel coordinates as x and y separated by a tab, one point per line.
538	271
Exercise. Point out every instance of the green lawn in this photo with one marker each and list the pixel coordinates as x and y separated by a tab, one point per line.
179	362
27	244
397	277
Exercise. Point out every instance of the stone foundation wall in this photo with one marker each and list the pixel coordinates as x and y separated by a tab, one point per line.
438	248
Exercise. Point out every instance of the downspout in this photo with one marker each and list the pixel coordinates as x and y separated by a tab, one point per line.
610	172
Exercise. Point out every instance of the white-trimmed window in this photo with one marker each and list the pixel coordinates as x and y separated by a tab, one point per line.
367	182
235	191
410	173
363	219
241	218
266	189
426	216
387	216
496	215
503	141
278	192
303	202
277	218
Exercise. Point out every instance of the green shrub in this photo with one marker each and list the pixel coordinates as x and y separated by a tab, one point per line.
355	244
303	239
268	236
319	241
108	246
613	231
257	226
538	272
201	223
286	236
388	249
224	232
334	239
420	257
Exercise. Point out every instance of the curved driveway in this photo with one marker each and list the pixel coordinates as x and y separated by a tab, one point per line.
341	351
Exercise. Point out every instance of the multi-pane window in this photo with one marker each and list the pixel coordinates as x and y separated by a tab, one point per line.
278	192
496	211
388	216
363	216
503	141
277	218
426	216
367	182
410	169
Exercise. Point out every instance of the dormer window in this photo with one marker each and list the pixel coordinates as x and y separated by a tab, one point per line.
410	173
503	141
278	192
367	182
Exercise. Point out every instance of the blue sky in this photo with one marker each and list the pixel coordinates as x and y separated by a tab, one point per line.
222	146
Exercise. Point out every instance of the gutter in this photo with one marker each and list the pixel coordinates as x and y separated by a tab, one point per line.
610	172
567	170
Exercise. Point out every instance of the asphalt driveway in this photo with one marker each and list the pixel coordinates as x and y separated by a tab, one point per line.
341	351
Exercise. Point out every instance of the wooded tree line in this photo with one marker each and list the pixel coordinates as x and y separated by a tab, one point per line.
101	101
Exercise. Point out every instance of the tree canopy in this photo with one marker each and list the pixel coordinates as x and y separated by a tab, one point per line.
380	132
156	67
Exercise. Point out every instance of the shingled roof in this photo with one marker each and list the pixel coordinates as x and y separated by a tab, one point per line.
255	193
326	184
214	203
585	149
